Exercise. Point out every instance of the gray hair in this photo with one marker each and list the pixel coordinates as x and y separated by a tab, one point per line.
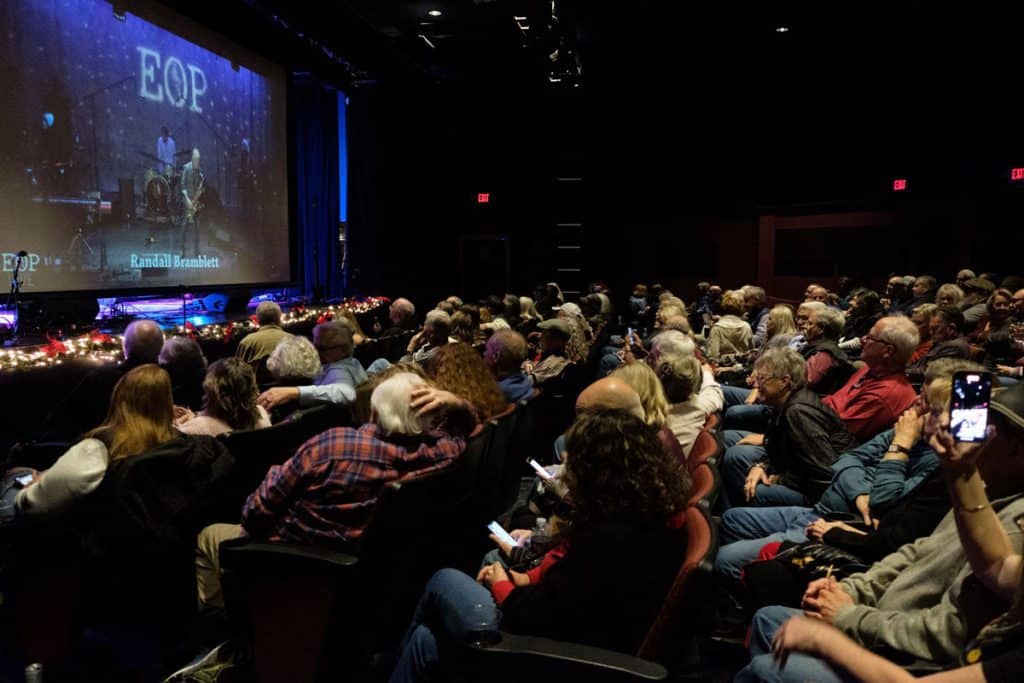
268	313
901	332
391	401
143	339
181	351
832	321
335	333
755	294
439	320
784	363
680	374
818	306
404	308
953	290
672	342
294	357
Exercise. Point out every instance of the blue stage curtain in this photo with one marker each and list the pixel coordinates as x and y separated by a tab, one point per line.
315	116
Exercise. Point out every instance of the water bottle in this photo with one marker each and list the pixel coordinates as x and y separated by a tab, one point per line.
541	531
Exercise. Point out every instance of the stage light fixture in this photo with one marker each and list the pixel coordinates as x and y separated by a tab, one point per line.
434	12
782	29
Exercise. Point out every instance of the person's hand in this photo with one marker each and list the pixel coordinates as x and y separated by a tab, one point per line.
527	367
492	574
908	428
518	578
271	398
751	398
863	505
751	440
415	342
803	634
813	589
958	457
521	535
427	400
755	476
817	529
182	415
828	602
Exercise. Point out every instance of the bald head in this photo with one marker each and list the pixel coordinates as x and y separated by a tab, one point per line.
143	340
612	393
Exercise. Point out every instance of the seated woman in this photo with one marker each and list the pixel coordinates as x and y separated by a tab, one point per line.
295	362
458	368
229	401
347	317
140	418
629	498
730	335
184	361
812	647
652	397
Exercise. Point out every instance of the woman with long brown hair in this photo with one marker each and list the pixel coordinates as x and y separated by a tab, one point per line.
229	401
140	417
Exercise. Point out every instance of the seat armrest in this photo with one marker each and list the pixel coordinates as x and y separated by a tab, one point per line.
596	663
239	551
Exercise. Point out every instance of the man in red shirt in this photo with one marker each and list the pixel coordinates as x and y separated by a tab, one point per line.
877	394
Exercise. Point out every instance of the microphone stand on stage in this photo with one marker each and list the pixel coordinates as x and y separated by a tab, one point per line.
15	294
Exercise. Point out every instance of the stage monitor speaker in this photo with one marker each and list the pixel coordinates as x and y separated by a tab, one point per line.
231	301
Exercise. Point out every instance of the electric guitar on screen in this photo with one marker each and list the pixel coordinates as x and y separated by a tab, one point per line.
196	206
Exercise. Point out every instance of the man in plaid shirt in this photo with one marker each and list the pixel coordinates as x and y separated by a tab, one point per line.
324	494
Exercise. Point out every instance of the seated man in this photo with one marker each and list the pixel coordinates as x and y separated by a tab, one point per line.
946	331
258	345
402	314
338	378
866	481
86	405
504	355
324	494
909	603
554	336
433	336
789	464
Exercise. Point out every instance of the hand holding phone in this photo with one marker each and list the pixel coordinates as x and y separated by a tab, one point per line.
25	479
541	472
968	406
503	536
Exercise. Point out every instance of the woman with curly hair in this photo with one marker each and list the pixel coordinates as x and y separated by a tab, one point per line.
458	368
606	581
229	401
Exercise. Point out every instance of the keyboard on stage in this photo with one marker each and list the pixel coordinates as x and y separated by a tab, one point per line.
102	205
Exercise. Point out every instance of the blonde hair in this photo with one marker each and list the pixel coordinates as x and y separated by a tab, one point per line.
141	413
780	321
646	384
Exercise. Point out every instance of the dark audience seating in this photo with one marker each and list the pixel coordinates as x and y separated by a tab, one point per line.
706	484
706	448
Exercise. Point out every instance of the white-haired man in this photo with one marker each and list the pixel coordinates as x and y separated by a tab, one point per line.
425	343
349	467
258	345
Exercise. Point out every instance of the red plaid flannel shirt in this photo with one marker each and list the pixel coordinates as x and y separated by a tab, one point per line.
324	494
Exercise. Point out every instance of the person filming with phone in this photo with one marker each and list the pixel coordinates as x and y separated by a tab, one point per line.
916	603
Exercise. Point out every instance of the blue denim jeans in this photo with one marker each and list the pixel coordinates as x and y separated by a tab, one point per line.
736	462
744	531
738	415
451	610
762	667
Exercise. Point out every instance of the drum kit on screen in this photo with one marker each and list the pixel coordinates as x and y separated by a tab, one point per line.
162	199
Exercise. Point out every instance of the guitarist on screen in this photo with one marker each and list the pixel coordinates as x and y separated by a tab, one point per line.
192	183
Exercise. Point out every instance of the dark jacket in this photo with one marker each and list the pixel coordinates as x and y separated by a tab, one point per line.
838	374
606	591
951	348
138	529
803	441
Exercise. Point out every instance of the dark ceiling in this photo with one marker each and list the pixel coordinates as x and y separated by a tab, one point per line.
712	94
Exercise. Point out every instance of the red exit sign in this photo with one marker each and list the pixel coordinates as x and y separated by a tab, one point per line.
1017	174
899	185
483	198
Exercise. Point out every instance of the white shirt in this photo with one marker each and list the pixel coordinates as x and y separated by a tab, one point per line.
165	151
76	474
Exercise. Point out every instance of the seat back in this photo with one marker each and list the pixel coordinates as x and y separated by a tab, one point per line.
705	449
519	452
672	635
713	422
489	488
284	595
39	455
703	477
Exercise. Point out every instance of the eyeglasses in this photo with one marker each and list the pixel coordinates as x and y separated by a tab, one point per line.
868	337
761	379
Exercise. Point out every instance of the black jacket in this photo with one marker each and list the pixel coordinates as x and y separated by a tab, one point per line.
803	441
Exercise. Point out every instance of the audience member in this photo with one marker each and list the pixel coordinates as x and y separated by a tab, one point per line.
229	401
458	368
504	355
256	346
184	361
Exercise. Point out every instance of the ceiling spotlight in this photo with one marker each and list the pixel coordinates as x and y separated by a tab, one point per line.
782	29
434	12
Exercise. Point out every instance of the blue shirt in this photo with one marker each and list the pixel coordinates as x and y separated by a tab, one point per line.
516	387
336	383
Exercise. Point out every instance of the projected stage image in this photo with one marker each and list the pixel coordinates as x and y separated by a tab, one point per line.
137	152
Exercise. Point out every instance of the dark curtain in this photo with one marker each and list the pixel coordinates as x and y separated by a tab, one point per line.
364	123
315	116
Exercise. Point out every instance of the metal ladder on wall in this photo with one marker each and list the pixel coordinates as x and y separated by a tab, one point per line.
569	258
